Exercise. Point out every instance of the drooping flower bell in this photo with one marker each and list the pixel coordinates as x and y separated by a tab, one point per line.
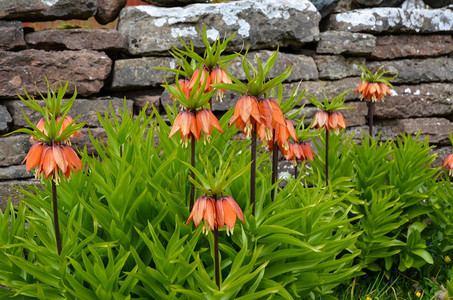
271	115
226	211
449	163
204	208
246	114
300	151
219	75
206	121
282	135
186	123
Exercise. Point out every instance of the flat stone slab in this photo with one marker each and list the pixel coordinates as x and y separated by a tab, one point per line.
303	67
260	24
15	172
404	45
13	149
12	36
85	69
77	39
5	119
141	72
385	19
47	10
424	100
337	42
86	108
337	66
417	70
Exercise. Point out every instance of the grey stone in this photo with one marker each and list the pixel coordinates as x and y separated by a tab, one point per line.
337	42
436	129
174	3
303	67
77	39
425	100
325	7
438	3
13	149
22	70
86	108
332	88
5	119
413	71
404	45
383	20
108	10
260	24
378	3
14	172
12	36
11	189
44	10
141	72
442	153
337	67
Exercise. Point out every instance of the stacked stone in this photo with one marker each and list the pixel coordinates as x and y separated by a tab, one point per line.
107	65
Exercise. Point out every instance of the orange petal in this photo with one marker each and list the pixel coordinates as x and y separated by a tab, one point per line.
214	122
235	207
266	112
219	212
245	108
176	125
277	114
308	153
33	156
72	158
48	161
59	157
209	214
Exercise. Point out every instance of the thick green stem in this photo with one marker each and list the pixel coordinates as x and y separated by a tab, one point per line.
327	157
274	166
55	217
253	171
192	174
216	253
370	117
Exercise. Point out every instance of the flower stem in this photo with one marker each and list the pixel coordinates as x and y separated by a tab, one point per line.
55	216
296	174
274	167
216	257
192	174
327	157
253	171
370	117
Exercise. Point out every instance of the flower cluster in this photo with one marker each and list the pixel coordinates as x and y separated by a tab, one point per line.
51	158
374	86
217	213
329	120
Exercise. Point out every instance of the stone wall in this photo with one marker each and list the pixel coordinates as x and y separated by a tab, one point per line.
108	65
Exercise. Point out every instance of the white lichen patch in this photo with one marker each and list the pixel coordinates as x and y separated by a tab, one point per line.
186	31
231	12
49	2
417	92
393	92
213	34
382	19
408	91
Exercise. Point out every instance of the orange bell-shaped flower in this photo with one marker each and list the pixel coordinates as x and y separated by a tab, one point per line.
226	211
206	121
219	75
186	124
204	208
449	162
246	114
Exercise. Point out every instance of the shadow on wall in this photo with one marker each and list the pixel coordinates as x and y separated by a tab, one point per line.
91	23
